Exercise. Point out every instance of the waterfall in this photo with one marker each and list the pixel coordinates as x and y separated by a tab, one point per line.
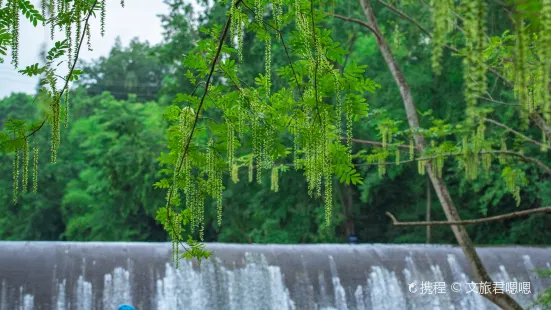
102	275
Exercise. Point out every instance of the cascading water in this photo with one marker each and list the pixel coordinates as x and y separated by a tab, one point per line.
100	276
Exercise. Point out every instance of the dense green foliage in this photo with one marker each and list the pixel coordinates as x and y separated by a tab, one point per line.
256	92
101	186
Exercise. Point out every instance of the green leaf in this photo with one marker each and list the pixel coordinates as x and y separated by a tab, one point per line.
58	50
32	70
30	12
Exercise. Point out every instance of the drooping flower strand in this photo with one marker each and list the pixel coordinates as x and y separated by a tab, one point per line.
191	204
317	160
15	34
236	28
175	233
69	37
219	190
240	114
35	169
89	37
234	23
66	114
268	159
240	31
78	30
521	86
259	11
56	137
261	143
327	169
200	200
310	166
186	122
474	67
338	101
214	184
442	20
43	8
51	9
349	128
328	199
268	60
258	137
15	176
303	28
60	7
545	58
481	68
230	146
210	164
102	21
278	14
25	180
510	177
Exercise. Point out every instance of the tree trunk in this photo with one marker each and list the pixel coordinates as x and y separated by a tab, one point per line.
349	217
480	274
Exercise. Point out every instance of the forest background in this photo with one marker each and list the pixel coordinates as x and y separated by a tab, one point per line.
101	188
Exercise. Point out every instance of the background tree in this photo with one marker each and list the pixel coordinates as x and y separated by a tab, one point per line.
136	69
504	78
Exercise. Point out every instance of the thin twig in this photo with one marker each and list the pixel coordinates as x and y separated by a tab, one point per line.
354	20
503	217
404	15
499	102
514	131
376	143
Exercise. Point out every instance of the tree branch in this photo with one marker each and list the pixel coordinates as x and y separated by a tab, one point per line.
357	21
376	143
502	217
513	131
404	15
